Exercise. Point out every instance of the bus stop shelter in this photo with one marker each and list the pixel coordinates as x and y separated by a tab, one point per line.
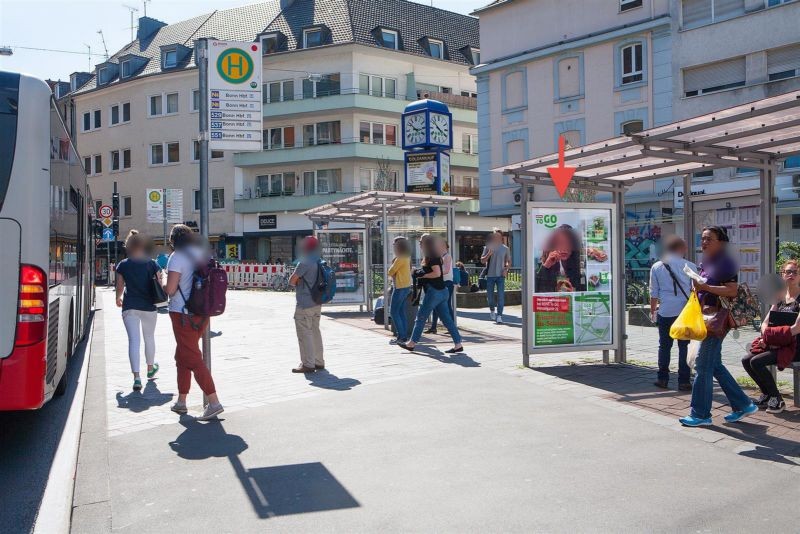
374	209
757	135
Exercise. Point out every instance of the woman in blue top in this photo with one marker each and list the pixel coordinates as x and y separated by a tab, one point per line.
136	298
721	275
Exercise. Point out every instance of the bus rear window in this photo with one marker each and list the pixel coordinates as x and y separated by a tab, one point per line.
9	98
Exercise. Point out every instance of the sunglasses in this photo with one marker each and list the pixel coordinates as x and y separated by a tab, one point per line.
789	272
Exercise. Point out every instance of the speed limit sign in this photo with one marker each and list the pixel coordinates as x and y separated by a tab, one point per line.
105	211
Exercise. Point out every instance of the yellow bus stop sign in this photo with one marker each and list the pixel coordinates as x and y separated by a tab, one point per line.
235	65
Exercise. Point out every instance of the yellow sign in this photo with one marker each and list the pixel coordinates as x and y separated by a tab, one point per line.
232	252
155	195
107	221
235	65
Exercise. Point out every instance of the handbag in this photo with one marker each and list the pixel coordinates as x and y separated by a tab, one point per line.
718	319
159	295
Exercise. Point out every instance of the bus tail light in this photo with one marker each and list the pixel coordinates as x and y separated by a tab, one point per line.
32	308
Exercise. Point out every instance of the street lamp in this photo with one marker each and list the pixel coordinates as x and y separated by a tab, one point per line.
6	51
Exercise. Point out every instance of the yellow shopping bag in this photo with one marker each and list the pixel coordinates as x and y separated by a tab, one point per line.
689	325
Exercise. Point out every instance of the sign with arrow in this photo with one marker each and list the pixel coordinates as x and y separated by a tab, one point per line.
108	234
561	175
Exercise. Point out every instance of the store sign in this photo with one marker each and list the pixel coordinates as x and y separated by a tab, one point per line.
232	251
234	96
345	252
267	222
712	188
428	172
571	295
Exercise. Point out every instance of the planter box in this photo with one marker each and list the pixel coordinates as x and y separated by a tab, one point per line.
478	299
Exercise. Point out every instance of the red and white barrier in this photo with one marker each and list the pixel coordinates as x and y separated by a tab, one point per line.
255	275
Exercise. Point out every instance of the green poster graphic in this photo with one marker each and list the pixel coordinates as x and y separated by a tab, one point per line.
554	324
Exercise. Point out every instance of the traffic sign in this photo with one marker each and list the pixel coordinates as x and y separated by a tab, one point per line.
107	221
105	211
234	96
108	234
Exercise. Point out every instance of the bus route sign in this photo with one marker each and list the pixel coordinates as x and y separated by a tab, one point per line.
234	96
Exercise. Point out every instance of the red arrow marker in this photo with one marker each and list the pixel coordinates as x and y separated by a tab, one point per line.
561	175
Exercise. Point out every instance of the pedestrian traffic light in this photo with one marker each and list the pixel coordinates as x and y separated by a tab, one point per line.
115	203
97	228
115	226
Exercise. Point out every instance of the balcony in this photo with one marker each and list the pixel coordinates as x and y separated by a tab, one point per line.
465	191
288	202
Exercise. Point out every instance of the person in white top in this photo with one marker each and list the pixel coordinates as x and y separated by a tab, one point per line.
447	275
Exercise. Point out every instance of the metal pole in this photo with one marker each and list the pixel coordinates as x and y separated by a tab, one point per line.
108	263
116	237
688	216
369	276
618	258
767	186
202	69
385	239
527	270
451	238
164	213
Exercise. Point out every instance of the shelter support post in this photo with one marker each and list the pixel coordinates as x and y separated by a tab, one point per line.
526	276
369	282
618	261
768	244
688	217
385	247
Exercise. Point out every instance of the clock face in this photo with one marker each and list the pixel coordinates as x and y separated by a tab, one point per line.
440	129
415	129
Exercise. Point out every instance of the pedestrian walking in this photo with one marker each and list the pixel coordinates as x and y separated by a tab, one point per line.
435	296
400	272
669	292
188	329
136	276
307	312
447	275
721	280
762	355
497	259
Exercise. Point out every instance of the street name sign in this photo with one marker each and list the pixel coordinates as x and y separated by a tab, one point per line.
234	96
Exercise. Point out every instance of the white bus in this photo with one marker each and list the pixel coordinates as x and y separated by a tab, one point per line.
46	251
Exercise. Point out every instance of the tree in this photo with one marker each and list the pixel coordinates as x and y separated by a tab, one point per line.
383	178
787	250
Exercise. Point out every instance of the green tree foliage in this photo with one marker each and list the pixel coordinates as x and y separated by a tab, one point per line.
788	250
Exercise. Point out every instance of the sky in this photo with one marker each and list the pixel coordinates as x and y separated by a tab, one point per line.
72	25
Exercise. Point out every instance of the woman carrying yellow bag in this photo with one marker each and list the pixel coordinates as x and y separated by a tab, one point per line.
689	326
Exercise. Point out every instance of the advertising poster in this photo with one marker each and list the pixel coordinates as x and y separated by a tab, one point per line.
421	172
345	253
572	299
445	174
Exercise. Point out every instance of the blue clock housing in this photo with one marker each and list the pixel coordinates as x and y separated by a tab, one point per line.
426	108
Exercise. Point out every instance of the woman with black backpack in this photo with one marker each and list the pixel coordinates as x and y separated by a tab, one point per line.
136	277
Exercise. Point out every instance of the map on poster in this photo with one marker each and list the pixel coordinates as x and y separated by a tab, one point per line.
572	284
345	253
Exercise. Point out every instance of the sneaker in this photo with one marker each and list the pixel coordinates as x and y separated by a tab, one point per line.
741	414
775	405
499	319
137	385
151	374
211	411
762	401
179	407
663	384
690	420
492	316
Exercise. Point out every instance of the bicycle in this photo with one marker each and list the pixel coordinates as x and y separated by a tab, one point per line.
280	282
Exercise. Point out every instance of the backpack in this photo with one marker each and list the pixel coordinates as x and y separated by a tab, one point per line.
209	284
744	308
324	287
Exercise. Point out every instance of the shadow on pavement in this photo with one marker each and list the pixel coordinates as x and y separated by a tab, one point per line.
459	358
768	447
327	380
140	401
273	491
508	320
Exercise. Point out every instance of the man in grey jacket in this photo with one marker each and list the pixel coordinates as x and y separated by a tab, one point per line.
497	259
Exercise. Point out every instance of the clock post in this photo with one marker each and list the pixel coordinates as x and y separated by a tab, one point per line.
427	132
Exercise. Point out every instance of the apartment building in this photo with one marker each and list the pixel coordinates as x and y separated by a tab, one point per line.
337	75
596	70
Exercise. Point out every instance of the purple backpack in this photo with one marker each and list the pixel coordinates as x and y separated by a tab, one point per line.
209	284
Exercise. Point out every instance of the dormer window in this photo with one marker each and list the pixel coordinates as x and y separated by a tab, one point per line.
312	37
436	48
169	59
475	54
127	68
102	76
270	43
389	39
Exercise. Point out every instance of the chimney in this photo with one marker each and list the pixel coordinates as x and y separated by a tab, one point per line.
147	27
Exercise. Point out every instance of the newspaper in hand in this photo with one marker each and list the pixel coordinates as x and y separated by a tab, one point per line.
688	271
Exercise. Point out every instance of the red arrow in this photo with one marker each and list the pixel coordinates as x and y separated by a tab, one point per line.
561	175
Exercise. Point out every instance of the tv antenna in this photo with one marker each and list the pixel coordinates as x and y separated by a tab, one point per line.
144	6
102	37
132	10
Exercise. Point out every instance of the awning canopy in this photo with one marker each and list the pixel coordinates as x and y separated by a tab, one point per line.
752	135
369	207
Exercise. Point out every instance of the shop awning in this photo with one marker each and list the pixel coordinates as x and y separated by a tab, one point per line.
369	207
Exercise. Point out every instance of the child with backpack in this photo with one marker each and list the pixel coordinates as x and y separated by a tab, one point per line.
188	326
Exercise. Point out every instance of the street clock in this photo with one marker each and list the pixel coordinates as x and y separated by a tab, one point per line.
427	124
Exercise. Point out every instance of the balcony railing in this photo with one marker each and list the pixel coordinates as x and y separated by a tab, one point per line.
454	101
465	191
322	142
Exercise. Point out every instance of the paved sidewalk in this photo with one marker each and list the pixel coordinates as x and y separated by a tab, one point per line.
396	442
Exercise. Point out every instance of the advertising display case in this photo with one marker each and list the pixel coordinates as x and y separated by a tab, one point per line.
345	252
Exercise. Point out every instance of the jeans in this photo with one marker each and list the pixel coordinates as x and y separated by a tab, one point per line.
709	366
435	318
665	348
500	283
134	320
756	366
398	311
435	299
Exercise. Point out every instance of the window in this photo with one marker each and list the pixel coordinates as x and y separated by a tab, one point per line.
783	63
377	180
115	160
195	100
127	68
173	153
87	164
436	48
465	185
126	206
377	85
103	76
702	176
277	138
172	103
269	44
126	112
217	199
569	77
281	184
97	205
792	162
716	77
98	119
120	113
87	121
156	154
278	91
163	104
469	143
469	94
322	133
745	170
631	63
155	108
572	139
625	5
327	85
632	127
700	12
377	133
98	164
214	154
126	158
114	115
476	56
795	221
389	39
771	3
328	181
170	59
312	38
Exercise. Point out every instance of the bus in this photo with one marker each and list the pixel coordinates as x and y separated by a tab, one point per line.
46	257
